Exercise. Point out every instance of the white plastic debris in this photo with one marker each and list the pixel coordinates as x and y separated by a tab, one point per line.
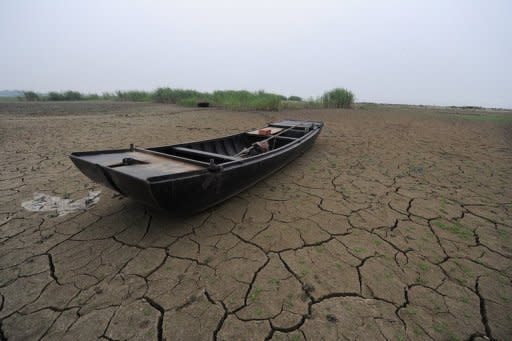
46	203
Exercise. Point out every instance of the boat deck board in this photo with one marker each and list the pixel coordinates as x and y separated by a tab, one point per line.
155	165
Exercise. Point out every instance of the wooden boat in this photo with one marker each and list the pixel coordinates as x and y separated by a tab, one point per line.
191	177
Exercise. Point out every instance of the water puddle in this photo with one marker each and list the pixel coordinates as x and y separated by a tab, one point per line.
47	203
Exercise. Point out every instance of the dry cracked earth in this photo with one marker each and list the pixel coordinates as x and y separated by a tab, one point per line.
396	225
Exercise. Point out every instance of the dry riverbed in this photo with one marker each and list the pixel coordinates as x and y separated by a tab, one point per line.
396	225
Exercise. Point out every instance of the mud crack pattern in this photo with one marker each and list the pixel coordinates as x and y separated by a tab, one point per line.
396	225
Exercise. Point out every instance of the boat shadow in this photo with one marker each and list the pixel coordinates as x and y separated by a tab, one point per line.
142	226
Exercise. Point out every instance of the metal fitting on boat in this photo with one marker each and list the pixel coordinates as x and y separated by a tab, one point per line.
213	167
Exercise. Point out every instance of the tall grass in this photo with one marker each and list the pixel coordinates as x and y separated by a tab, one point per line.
338	98
188	102
178	96
309	104
245	100
228	99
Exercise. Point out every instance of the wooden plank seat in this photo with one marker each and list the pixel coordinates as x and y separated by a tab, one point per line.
205	154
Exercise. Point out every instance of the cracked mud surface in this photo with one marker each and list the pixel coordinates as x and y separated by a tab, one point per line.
396	225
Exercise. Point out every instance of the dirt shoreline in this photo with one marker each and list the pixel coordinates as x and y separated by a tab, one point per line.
397	224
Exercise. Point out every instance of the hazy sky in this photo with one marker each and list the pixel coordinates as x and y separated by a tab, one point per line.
420	52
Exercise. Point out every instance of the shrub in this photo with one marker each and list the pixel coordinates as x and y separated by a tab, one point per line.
64	96
55	96
134	96
295	98
72	96
338	98
31	96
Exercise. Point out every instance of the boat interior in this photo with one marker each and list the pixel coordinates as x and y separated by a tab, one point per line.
233	148
175	159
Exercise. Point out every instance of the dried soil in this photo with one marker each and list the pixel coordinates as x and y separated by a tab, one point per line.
397	224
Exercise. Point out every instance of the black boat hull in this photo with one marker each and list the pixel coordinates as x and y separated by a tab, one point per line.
196	190
204	191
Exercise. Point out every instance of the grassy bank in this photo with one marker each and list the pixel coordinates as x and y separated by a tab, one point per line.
227	99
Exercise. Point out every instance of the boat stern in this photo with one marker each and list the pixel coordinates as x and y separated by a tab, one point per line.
127	172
